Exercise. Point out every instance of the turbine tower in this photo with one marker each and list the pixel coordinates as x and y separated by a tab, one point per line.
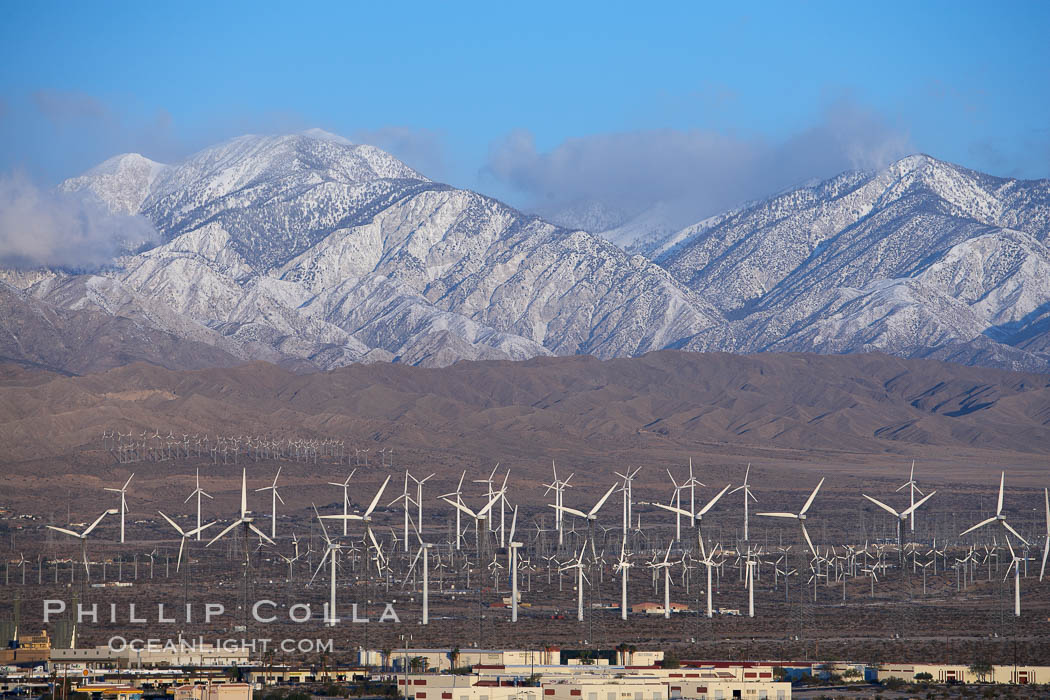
198	492
123	503
746	488
346	496
912	487
276	497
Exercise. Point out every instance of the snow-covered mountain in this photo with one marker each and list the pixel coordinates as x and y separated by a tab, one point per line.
923	258
306	247
309	250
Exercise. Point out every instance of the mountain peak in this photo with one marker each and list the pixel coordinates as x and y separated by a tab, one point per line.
322	135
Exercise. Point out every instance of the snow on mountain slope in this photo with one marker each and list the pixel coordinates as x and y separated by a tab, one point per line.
919	256
122	182
323	251
309	249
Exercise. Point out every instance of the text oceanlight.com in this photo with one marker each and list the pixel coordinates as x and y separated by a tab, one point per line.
182	645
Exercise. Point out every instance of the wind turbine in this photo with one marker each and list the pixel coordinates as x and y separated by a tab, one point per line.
800	516
331	553
346	495
912	487
622	567
82	536
458	493
577	564
183	534
559	497
746	488
123	503
666	566
998	517
1015	562
901	516
198	492
365	518
698	516
590	516
709	563
244	519
478	517
419	500
276	497
1046	538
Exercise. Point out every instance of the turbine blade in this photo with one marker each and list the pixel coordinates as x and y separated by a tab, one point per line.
259	532
980	524
713	501
882	505
599	504
809	501
808	541
1015	532
1002	483
63	531
379	494
232	525
172	523
94	524
779	515
911	509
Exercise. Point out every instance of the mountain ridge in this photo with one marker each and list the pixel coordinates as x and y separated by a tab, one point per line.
311	251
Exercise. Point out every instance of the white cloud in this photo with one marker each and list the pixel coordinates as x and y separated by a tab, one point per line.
694	173
40	228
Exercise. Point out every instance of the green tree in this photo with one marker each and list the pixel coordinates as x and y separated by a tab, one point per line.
924	677
671	660
981	669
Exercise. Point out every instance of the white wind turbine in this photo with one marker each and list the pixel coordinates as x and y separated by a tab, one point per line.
666	566
1015	562
590	516
346	496
676	502
276	497
698	516
622	567
331	553
998	517
708	560
691	483
243	520
183	536
514	546
479	517
558	486
198	492
800	516
366	517
746	488
912	487
123	504
406	505
419	500
458	493
1046	537
577	563
628	477
901	516
82	536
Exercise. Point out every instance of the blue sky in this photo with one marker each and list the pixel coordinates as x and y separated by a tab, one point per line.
524	101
